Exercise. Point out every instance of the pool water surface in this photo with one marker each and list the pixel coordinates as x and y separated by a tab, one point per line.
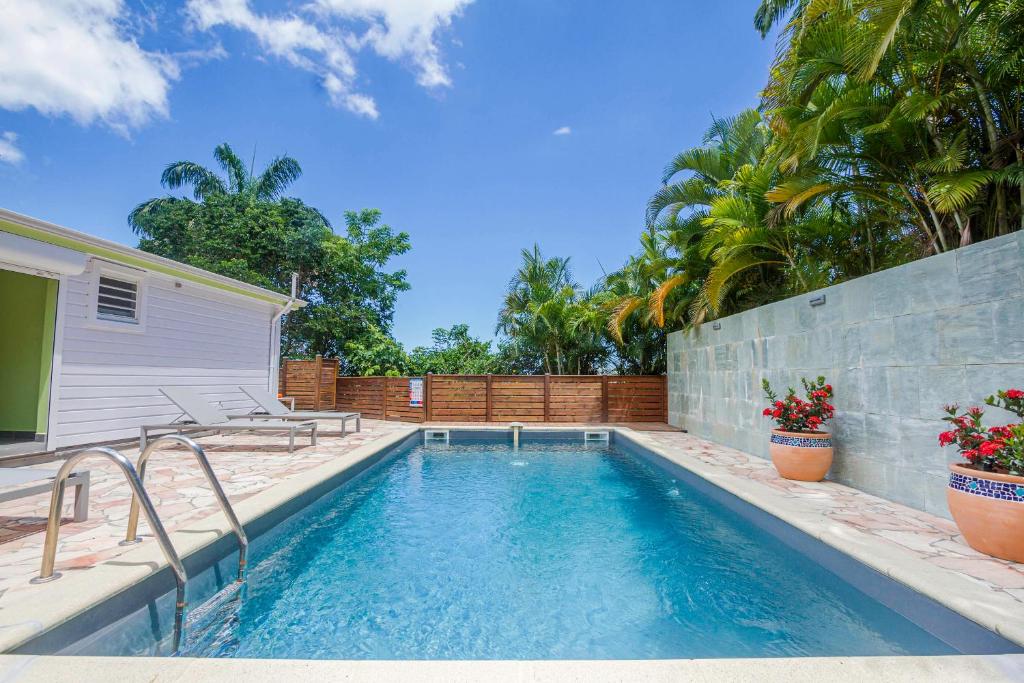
555	551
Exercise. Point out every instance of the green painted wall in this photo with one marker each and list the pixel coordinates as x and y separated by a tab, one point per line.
27	310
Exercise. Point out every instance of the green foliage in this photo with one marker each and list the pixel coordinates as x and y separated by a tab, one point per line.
376	353
546	313
553	325
889	129
454	352
242	227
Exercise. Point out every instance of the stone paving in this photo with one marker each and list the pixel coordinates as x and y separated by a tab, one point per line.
249	463
934	539
246	464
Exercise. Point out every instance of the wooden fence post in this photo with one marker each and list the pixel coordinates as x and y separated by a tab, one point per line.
547	397
426	397
384	398
604	398
317	372
487	399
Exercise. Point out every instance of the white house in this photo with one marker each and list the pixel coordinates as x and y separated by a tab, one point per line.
89	329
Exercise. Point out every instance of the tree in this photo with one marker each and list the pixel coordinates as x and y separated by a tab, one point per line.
349	292
242	227
375	354
910	106
453	352
546	312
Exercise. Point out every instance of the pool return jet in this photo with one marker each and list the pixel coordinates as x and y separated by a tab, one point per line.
516	427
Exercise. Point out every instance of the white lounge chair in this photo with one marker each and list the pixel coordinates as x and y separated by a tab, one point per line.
13	476
267	403
199	415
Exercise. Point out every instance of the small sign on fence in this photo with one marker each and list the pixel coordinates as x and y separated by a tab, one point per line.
416	392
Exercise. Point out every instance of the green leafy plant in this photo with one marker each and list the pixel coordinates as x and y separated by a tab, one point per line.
793	414
996	449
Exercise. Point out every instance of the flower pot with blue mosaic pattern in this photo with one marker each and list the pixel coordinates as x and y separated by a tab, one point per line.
989	509
802	456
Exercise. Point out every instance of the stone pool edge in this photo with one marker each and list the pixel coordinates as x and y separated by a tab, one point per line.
956	591
50	605
52	669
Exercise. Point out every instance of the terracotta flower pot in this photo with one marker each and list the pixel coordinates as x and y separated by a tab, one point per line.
803	456
989	509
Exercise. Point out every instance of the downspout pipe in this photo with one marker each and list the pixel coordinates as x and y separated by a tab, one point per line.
275	333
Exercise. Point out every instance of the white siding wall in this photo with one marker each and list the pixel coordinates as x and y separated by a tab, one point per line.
194	336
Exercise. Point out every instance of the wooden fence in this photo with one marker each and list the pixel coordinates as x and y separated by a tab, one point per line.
298	379
479	398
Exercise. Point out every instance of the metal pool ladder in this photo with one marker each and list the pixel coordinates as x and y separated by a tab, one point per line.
46	572
131	536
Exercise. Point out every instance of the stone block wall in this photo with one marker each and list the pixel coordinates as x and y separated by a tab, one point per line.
896	346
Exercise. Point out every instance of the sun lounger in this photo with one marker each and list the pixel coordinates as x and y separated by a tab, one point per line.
268	404
42	482
198	415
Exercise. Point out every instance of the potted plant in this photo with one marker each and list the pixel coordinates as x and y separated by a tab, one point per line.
986	494
798	448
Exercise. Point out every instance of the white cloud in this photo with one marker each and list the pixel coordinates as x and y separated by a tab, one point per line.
78	57
9	152
564	130
324	36
402	30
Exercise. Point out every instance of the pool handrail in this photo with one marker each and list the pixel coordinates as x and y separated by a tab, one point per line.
46	572
131	536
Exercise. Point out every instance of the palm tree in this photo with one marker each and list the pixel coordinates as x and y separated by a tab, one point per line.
545	310
914	105
268	186
696	181
624	299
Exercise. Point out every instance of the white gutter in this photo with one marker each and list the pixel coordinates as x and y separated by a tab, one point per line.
275	335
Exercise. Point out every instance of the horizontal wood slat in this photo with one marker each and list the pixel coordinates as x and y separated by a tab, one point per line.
474	398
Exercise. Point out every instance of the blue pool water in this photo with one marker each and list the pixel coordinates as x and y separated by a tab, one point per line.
557	551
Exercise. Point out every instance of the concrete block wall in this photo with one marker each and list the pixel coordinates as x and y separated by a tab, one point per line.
896	346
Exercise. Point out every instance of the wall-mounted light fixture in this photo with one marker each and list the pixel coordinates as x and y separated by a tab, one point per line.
716	326
818	300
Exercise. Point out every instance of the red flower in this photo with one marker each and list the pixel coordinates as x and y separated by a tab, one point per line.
946	438
990	448
1014	393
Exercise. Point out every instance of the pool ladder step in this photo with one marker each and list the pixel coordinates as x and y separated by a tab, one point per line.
211	628
135	476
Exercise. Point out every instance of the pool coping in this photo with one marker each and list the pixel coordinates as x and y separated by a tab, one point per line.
958	592
78	592
53	669
47	606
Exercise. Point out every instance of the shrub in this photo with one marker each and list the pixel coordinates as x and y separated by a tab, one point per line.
996	449
793	414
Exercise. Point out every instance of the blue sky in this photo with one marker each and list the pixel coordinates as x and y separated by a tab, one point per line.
441	113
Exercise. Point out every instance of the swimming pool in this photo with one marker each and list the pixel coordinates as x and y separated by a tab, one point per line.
557	550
